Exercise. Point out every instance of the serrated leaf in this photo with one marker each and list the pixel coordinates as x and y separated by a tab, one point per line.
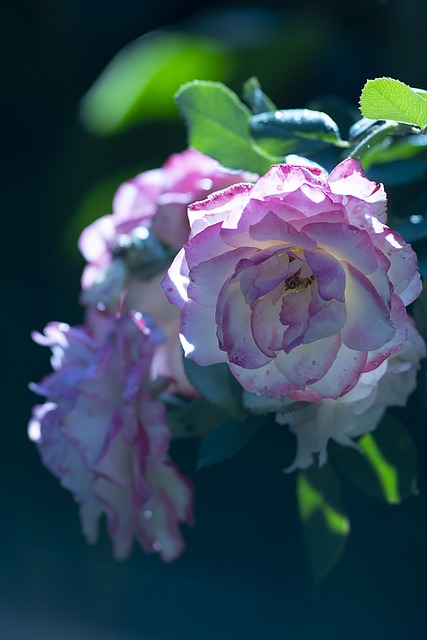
218	125
389	99
325	524
256	98
385	468
297	126
140	81
196	418
229	438
216	383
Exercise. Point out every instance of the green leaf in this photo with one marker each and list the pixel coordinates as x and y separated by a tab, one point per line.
196	418
229	438
256	98
218	125
389	99
385	467
216	383
260	404
325	524
140	81
299	127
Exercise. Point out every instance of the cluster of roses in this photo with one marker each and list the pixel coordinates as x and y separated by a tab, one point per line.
293	279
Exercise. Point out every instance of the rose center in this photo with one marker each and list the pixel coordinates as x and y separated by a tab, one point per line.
296	282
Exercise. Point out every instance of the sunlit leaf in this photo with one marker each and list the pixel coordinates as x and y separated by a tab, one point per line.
218	125
389	99
325	524
229	438
140	81
385	467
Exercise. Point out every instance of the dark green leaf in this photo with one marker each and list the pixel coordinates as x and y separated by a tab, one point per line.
218	125
229	438
385	468
262	404
216	383
256	98
196	418
295	130
140	81
389	99
325	524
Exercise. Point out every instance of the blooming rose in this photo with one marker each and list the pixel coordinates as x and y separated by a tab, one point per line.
156	199
360	410
295	281
101	433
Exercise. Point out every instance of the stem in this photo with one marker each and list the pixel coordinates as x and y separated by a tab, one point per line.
382	132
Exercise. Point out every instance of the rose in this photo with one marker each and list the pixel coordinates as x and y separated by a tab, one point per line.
358	411
102	434
155	199
295	281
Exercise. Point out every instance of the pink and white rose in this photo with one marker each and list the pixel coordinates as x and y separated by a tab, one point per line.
158	200
360	410
105	437
155	200
295	281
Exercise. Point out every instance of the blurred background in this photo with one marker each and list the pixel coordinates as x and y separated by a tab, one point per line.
244	574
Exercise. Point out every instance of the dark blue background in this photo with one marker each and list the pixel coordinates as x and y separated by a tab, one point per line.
244	574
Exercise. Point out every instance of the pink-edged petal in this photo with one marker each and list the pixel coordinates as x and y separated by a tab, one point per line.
329	274
202	287
234	318
283	179
345	242
308	363
218	206
342	375
266	327
327	320
294	314
403	272
399	318
368	325
95	241
273	229
348	179
198	336
175	282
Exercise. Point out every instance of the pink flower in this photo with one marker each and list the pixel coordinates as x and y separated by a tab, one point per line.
102	434
360	410
156	199
295	281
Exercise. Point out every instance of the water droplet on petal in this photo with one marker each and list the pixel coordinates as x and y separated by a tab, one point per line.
147	513
156	546
206	184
